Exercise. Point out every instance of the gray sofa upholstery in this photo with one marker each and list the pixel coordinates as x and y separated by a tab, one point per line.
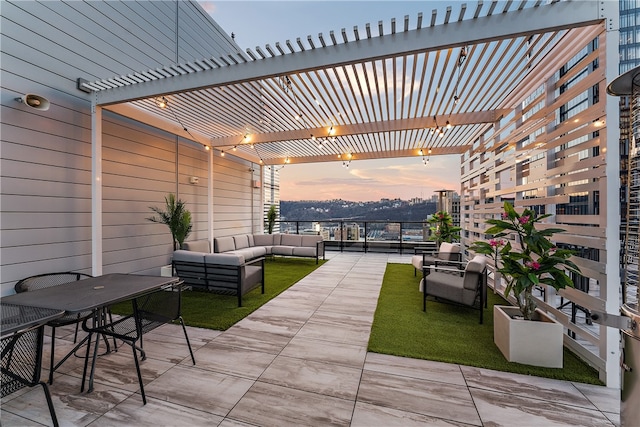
197	246
223	273
252	246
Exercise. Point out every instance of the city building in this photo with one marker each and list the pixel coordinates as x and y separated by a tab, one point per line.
347	232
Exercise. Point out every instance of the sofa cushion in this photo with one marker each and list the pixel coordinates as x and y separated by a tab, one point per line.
251	242
241	241
291	240
263	239
224	244
444	285
449	251
310	240
277	239
304	251
258	251
188	256
246	253
197	246
474	269
224	259
282	250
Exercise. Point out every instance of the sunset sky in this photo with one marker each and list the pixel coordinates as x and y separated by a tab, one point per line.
257	23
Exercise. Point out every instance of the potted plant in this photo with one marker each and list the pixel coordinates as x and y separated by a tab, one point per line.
536	262
271	218
176	216
442	228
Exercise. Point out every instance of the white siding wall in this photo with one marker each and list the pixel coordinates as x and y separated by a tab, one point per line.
45	156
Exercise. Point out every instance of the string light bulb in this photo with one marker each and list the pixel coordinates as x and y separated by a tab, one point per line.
162	102
448	125
221	153
206	147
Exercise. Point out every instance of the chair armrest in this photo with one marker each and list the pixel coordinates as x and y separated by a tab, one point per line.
460	264
427	269
255	261
420	251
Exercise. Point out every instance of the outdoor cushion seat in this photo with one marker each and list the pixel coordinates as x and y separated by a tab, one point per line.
467	287
197	246
304	251
282	250
265	241
446	252
224	244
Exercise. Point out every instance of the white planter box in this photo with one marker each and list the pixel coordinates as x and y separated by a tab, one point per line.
166	271
537	342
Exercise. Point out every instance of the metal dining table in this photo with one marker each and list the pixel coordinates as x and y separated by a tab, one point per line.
90	294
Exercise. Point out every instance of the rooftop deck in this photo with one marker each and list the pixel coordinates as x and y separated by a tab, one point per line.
302	359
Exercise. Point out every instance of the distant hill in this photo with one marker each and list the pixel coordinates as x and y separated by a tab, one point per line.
385	210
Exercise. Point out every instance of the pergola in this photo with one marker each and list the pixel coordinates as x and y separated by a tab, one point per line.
382	91
385	92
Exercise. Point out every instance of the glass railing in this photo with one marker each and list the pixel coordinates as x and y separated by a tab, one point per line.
364	236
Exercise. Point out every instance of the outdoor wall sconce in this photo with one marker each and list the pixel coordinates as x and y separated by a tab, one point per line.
34	101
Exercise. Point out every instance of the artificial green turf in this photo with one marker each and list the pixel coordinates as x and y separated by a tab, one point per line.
216	311
449	333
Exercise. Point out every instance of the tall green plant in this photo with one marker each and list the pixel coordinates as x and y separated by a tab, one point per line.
175	216
538	261
271	218
442	228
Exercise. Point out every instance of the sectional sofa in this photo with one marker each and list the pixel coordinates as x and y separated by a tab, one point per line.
252	246
237	266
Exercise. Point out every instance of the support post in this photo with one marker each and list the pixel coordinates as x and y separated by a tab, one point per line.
96	189
610	345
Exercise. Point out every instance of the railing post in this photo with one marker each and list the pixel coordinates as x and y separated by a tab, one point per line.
400	237
365	237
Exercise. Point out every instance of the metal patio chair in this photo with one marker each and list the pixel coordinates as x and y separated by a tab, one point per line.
149	312
48	280
22	358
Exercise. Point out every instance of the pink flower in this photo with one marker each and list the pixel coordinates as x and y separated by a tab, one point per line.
524	219
505	215
533	265
494	242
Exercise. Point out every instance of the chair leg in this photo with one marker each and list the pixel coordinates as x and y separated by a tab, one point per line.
53	353
52	411
135	358
184	329
93	364
75	335
86	362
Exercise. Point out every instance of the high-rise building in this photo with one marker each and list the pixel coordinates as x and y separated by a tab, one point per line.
629	49
629	34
